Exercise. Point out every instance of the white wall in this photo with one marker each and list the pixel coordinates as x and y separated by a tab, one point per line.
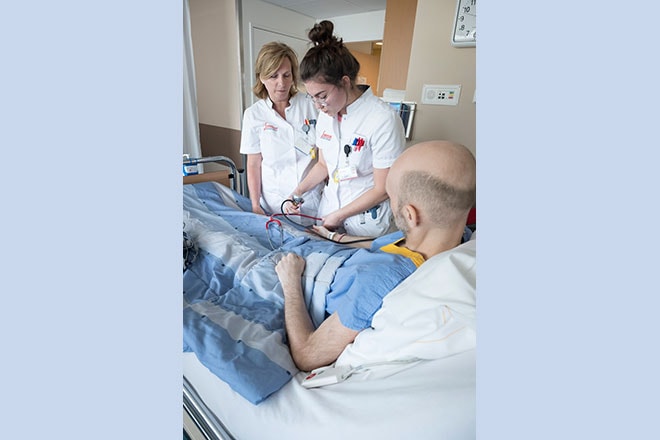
262	22
360	27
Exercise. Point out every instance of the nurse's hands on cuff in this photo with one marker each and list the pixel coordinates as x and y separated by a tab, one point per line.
333	221
291	208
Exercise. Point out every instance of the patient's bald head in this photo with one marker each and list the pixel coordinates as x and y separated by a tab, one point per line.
438	178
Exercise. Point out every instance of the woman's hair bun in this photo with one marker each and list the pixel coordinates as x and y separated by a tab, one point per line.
322	33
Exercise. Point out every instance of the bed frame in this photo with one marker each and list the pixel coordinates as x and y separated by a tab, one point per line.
233	178
199	422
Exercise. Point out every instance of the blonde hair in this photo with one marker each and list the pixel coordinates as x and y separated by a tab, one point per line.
270	59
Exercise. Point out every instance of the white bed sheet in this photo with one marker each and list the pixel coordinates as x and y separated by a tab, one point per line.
430	400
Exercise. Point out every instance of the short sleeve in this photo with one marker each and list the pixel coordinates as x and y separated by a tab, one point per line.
249	133
360	285
388	140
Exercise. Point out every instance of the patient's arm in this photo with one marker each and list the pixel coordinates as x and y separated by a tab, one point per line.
310	348
350	240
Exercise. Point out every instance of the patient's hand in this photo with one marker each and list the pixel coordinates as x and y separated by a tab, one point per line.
289	270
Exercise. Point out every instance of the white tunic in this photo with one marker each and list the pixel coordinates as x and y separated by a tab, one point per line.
286	150
374	132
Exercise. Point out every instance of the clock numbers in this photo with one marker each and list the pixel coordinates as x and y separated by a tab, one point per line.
465	24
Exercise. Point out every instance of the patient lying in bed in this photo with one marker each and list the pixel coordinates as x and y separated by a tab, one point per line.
233	312
432	189
233	299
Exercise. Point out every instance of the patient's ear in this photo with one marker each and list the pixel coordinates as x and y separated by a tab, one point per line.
411	214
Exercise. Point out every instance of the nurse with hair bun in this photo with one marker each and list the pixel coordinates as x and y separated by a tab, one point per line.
358	135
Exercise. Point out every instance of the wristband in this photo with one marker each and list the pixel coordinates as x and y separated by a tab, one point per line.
340	237
331	235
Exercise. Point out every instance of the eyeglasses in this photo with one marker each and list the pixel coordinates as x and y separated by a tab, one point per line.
322	101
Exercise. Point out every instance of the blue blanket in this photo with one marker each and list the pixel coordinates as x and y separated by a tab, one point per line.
233	306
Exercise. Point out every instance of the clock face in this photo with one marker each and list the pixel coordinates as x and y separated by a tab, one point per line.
465	24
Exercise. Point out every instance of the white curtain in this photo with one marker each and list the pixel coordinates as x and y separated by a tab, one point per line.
191	144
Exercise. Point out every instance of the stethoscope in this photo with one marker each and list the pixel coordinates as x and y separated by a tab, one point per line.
275	221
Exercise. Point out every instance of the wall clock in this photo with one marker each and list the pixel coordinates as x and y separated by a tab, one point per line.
465	24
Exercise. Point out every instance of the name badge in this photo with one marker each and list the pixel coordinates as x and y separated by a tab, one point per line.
346	173
305	147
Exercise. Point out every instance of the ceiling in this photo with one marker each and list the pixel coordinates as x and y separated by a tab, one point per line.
330	8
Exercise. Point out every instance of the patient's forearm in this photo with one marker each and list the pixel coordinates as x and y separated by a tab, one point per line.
310	347
299	328
354	240
350	240
297	321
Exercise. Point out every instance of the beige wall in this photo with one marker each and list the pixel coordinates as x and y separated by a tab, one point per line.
214	29
397	41
433	60
369	65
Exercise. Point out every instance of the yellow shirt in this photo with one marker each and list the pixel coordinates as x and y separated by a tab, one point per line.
392	248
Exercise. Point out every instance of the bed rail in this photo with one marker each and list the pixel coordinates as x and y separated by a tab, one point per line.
237	177
204	419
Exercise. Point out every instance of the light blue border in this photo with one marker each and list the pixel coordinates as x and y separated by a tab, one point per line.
91	134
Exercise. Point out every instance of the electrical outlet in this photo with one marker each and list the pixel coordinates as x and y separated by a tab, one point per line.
441	95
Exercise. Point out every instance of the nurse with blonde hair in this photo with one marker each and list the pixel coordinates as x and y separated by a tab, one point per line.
278	134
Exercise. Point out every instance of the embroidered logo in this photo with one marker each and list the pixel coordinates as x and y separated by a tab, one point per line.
270	127
326	137
358	143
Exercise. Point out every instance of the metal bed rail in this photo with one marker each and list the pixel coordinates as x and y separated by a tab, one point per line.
208	424
237	177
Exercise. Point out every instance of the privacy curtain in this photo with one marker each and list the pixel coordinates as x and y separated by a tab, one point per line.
191	143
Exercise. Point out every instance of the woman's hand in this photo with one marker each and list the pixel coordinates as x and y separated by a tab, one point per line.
290	207
333	221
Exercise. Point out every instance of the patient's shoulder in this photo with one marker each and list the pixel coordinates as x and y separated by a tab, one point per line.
386	239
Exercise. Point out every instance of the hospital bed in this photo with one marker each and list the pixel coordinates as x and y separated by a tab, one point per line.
239	381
